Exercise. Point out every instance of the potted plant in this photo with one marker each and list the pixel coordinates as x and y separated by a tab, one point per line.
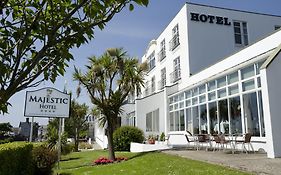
162	137
151	139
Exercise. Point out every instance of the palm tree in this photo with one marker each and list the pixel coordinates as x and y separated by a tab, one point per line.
109	79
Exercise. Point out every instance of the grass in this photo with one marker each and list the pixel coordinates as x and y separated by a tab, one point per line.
153	163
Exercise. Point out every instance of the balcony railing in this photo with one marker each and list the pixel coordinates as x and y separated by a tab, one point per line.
161	54
161	84
175	76
174	42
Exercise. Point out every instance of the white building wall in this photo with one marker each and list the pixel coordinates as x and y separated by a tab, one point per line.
271	101
265	45
149	104
210	42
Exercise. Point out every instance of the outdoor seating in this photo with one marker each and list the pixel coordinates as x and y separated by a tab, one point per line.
217	142
203	139
225	142
246	140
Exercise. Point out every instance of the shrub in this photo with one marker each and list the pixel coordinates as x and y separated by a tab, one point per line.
44	159
16	158
67	148
124	135
85	145
162	137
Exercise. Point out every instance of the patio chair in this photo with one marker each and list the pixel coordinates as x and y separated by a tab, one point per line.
218	142
203	139
225	142
246	140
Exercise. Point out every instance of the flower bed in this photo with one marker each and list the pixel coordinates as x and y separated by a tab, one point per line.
104	160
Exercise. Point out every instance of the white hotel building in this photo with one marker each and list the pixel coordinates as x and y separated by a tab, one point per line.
213	70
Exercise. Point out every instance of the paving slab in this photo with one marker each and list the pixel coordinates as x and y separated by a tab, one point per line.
256	163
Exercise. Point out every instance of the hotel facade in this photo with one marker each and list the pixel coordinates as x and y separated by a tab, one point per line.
212	70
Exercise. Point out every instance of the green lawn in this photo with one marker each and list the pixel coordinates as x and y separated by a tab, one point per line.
147	163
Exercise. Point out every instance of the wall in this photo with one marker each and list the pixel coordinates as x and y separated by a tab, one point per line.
270	77
210	42
149	104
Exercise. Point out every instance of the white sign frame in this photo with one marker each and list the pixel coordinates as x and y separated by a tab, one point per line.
47	102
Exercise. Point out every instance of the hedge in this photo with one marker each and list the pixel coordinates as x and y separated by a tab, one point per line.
16	158
123	136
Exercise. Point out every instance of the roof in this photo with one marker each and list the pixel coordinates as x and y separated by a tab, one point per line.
270	59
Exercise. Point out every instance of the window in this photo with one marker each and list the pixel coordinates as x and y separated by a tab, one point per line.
177	121
162	82
151	61
240	33
152	121
277	27
176	74
162	53
174	42
153	84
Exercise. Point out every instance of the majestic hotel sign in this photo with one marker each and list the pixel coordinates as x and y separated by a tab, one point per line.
209	19
47	102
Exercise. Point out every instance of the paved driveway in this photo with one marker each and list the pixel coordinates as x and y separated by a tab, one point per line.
256	163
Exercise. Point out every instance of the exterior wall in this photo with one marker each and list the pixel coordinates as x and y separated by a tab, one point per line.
181	51
127	110
271	102
100	137
210	42
149	104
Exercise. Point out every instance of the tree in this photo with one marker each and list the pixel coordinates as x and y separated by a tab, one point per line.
36	36
109	79
5	128
77	122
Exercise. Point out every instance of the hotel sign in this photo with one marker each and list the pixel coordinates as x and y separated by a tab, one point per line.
47	102
209	19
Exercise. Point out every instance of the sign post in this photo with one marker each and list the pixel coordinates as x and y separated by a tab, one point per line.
48	102
31	130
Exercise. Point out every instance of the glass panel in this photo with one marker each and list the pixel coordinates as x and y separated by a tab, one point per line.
248	85
177	120
187	103
187	94
235	115
233	89
202	98
194	101
261	114
232	78
149	122
156	121
247	72
258	66
202	89
223	116
171	100
181	104
182	127
251	113
176	98
212	96
221	93
171	107
211	85
189	120
194	92
203	119
214	128
221	82
259	82
172	121
176	106
181	96
195	120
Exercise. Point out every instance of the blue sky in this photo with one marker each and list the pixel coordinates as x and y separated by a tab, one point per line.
132	31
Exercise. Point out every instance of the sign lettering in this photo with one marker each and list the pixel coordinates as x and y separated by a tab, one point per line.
210	19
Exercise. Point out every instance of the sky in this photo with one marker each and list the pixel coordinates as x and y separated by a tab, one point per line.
131	30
